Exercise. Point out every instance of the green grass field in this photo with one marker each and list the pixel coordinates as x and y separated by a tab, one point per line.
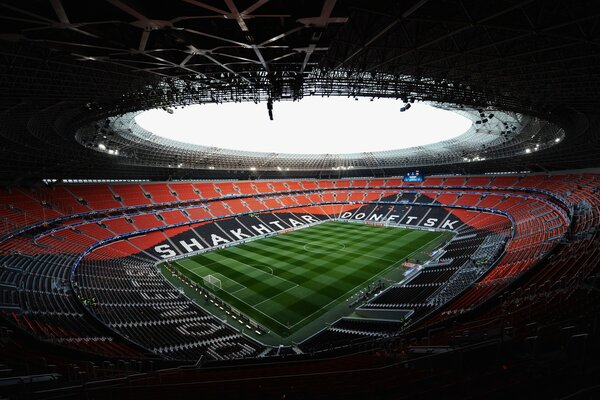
284	282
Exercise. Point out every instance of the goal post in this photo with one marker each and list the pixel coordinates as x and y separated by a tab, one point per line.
212	282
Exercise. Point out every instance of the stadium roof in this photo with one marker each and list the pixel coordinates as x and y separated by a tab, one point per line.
70	67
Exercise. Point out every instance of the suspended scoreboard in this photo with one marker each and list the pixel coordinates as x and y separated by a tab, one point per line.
414	176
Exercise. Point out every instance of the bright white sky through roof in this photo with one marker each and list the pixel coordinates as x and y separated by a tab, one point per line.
313	125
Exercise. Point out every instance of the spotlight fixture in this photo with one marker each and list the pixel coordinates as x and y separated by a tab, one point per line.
270	108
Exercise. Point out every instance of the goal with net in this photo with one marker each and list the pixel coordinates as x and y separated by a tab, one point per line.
212	282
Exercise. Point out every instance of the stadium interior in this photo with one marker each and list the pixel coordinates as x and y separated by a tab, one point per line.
132	264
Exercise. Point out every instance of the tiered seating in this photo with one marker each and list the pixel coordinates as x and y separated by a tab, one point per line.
478	181
359	183
47	308
131	195
343	183
433	181
328	197
488	222
332	338
369	325
309	185
489	201
160	193
315	198
376	183
118	226
198	213
246	187
467	216
269	202
504	181
467	199
263	187
96	231
13	218
226	189
146	241
98	197
174	217
19	209
434	275
61	243
146	221
325	184
356	196
63	200
570	265
219	209
132	298
293	185
406	296
279	187
446	198
302	199
237	206
342	195
454	181
288	201
207	190
444	278
531	181
516	260
393	182
254	204
185	191
120	248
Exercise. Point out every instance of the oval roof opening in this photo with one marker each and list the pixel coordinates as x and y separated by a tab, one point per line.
313	125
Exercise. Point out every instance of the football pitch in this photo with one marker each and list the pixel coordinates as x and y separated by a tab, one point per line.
286	281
